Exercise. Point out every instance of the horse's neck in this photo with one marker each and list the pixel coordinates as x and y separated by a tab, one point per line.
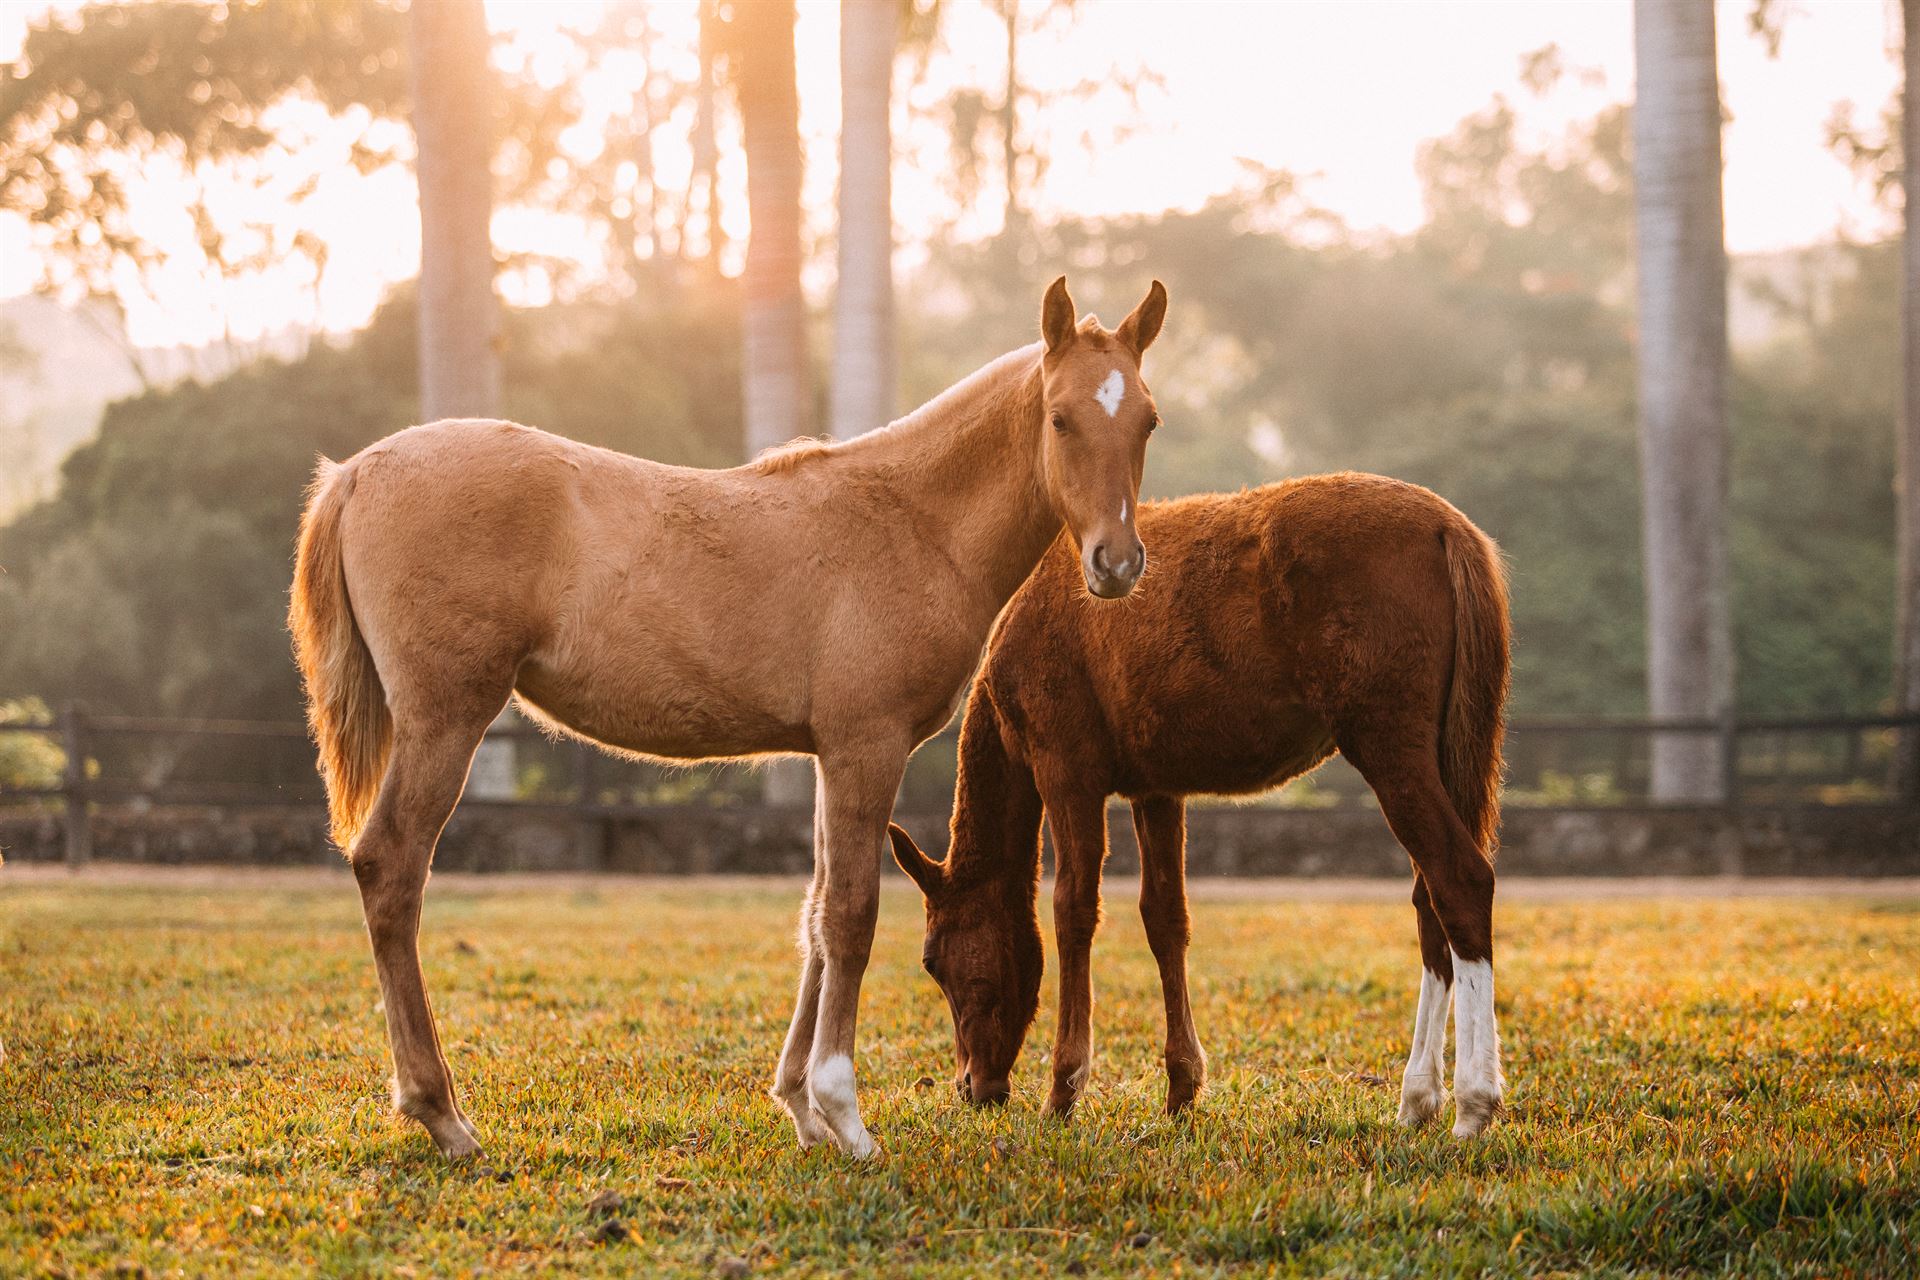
996	807
972	461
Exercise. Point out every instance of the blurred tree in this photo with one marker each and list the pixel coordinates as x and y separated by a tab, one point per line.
706	150
779	392
107	97
1906	613
777	372
865	381
154	581
1682	287
453	116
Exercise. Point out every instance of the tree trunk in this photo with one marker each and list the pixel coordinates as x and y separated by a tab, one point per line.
777	386
863	329
1906	658
453	105
1682	385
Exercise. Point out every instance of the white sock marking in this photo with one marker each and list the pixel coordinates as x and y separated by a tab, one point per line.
1111	392
1429	1053
831	1084
1420	1090
1476	1067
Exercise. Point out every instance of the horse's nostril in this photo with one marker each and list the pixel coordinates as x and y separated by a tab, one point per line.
1100	558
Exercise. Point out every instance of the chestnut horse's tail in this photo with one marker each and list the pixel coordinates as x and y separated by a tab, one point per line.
346	706
1475	717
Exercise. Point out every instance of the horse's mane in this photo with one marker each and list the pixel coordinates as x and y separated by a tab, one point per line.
782	458
945	407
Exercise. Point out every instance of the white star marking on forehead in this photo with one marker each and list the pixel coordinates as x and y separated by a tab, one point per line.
1111	392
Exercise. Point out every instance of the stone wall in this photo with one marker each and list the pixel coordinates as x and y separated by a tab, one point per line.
1221	840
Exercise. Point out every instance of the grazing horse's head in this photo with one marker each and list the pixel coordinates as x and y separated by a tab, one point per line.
1099	414
984	952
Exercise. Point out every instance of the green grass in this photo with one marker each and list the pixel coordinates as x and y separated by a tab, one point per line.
195	1083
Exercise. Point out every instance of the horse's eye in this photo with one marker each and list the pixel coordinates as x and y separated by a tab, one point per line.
1153	422
1059	422
926	962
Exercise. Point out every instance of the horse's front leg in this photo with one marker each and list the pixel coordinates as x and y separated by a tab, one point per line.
1160	826
1079	823
790	1081
856	793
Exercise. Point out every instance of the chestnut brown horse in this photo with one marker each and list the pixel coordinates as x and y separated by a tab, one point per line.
825	600
1346	612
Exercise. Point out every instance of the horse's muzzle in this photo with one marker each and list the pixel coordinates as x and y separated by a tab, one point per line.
1111	575
984	1092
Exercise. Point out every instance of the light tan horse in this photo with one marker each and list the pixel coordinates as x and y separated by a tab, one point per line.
825	600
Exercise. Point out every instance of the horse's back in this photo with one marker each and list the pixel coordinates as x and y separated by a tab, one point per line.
1263	616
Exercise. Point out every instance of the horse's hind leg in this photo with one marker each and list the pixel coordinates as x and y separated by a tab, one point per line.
1405	775
1422	1092
790	1080
423	782
1160	826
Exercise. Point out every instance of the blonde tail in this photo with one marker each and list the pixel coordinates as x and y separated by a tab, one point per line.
346	706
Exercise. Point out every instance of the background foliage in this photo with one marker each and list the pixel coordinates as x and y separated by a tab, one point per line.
1487	355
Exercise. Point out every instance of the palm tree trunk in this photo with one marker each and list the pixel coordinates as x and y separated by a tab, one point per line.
452	124
453	102
778	388
777	384
1906	664
863	328
1682	384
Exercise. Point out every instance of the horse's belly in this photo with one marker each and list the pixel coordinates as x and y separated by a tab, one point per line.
642	708
1236	749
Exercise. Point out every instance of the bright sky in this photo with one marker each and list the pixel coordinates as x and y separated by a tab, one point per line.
1344	90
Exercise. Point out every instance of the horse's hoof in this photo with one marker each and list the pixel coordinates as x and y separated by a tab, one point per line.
1473	1112
1183	1086
1420	1102
457	1140
808	1125
859	1146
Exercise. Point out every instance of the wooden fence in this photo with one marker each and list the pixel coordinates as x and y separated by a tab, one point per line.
1557	763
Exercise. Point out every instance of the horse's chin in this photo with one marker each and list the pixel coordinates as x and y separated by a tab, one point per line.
1110	588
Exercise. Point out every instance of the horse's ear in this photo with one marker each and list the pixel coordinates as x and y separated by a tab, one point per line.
1139	329
926	873
1057	315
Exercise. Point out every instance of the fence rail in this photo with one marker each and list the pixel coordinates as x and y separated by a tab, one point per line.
81	760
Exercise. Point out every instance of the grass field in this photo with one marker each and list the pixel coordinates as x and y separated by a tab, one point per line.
195	1083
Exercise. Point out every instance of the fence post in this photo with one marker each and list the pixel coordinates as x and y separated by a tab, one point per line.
74	783
1729	759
